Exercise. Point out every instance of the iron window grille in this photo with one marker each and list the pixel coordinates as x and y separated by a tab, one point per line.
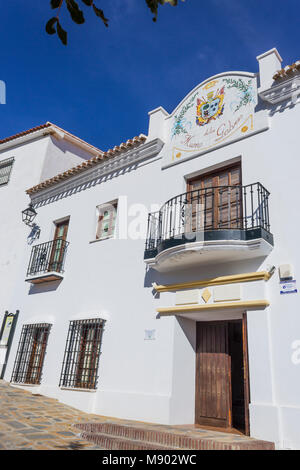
31	351
5	170
82	354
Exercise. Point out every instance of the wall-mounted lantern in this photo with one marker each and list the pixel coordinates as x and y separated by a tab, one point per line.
28	215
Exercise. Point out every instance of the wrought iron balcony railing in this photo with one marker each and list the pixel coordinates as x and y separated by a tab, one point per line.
47	257
213	213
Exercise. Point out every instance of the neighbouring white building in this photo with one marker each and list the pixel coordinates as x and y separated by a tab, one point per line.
194	319
26	159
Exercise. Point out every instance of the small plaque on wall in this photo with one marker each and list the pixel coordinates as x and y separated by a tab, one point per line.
288	287
7	325
149	335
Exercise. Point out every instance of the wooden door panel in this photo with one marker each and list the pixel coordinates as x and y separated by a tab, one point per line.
223	179
61	230
222	206
229	216
246	375
213	375
222	377
235	176
58	248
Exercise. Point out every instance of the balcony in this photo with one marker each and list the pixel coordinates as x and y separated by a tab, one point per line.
210	225
47	262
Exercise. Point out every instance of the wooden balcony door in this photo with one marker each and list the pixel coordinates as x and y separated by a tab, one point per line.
58	249
222	387
216	209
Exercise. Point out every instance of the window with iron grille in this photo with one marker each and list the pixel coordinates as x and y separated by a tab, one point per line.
82	354
31	353
5	170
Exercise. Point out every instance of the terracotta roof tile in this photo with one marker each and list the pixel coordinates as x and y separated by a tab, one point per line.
287	71
53	129
136	141
29	131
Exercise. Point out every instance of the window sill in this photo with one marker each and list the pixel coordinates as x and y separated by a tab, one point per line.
78	389
101	239
20	384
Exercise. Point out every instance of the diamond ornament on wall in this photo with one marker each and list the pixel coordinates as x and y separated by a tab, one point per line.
206	295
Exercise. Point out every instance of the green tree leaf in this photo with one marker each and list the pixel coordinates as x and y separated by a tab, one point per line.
78	17
50	25
55	4
62	34
75	12
100	14
153	5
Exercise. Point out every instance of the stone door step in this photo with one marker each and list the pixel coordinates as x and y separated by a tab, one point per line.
132	435
118	443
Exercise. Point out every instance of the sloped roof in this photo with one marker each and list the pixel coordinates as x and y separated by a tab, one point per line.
51	128
21	134
130	143
287	71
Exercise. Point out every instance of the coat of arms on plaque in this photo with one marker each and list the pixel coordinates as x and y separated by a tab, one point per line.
210	108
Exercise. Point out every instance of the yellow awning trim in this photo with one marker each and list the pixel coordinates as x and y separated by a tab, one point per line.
247	304
246	277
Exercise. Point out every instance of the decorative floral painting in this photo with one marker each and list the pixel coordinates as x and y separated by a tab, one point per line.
220	110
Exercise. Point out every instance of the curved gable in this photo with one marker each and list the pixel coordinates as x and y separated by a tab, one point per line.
219	110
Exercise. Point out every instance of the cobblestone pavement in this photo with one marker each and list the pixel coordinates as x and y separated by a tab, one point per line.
39	423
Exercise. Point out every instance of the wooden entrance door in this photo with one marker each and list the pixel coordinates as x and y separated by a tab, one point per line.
213	403
216	199
58	249
222	386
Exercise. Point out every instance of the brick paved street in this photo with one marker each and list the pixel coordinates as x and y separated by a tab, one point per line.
40	423
36	422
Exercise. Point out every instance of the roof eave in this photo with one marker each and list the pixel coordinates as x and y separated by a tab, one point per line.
25	138
55	131
117	150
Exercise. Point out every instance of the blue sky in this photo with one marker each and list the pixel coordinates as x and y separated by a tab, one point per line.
102	85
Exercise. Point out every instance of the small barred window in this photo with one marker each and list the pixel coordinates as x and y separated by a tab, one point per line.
82	354
5	170
31	353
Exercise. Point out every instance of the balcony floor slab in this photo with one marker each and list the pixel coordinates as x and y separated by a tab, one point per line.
44	277
208	252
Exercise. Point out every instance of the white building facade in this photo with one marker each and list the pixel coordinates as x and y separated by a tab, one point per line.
26	159
189	314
